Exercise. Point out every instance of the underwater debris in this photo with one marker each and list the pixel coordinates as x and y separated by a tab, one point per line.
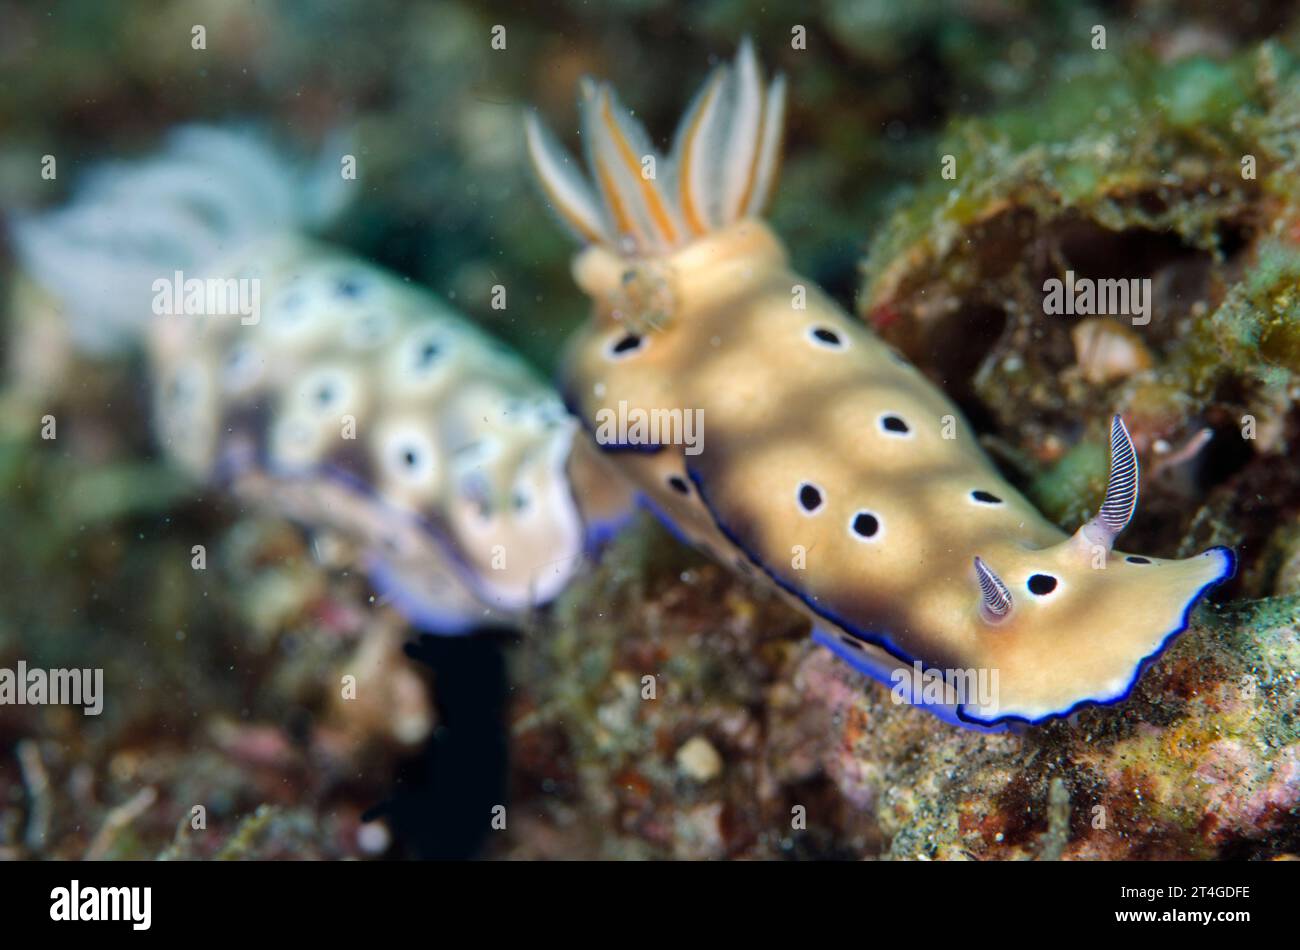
1107	351
698	760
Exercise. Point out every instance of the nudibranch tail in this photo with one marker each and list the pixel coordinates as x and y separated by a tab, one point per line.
722	166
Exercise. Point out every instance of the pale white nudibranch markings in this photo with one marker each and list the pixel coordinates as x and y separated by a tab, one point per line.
329	391
294	444
352	285
424	363
407	452
370	330
243	369
298	316
424	351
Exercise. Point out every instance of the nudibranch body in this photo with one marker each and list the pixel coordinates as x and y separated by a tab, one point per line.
829	465
347	398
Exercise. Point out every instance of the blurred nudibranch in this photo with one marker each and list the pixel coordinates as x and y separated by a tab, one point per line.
347	398
831	467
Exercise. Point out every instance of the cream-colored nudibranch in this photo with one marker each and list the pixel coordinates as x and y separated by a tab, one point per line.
829	465
317	384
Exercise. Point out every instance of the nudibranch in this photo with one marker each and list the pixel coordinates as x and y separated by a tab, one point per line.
830	466
344	397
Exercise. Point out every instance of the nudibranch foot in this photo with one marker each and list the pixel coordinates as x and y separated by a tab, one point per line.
909	684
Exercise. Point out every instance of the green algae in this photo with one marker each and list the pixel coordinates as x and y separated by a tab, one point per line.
1062	492
1093	141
